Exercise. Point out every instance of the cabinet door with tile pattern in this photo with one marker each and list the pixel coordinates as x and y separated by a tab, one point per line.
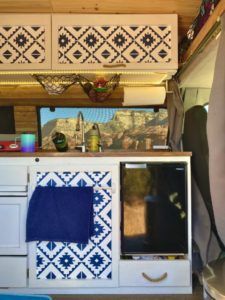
25	41
60	264
114	42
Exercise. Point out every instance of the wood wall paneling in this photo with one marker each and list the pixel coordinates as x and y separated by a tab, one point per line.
36	95
25	119
25	6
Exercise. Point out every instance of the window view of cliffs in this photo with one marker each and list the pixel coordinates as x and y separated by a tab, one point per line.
127	130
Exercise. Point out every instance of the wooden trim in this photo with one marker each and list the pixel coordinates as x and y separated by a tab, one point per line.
97	154
219	10
112	19
60	102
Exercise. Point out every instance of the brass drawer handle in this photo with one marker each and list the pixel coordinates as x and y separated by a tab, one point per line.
161	278
114	66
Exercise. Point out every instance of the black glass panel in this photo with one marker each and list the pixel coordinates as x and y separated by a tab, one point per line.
154	209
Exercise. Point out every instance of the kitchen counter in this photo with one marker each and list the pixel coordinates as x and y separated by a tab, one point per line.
22	172
94	154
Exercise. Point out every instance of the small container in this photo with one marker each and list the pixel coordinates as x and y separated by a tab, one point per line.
93	139
27	142
60	141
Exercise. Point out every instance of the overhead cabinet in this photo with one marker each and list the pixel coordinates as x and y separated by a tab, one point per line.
88	42
25	41
114	41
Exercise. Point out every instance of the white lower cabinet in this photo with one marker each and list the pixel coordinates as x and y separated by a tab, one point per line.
12	223
56	267
13	272
13	178
155	273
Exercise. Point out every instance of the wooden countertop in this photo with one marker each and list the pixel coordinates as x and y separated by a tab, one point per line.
94	154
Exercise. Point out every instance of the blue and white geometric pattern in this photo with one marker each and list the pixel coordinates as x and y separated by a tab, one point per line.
114	44
56	260
22	44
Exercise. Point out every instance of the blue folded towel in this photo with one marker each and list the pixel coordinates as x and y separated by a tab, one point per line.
60	214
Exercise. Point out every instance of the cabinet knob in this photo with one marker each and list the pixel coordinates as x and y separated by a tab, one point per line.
37	159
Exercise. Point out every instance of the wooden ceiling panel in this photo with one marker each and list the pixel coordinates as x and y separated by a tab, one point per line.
187	10
129	6
25	6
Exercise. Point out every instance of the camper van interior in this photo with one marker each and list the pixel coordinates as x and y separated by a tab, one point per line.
112	152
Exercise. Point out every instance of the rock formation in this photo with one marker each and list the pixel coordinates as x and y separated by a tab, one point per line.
128	129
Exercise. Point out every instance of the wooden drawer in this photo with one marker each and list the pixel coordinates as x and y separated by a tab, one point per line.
155	273
13	271
13	178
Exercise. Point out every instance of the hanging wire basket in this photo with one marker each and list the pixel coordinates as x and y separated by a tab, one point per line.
101	89
56	84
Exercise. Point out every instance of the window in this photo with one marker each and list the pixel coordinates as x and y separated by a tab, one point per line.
121	128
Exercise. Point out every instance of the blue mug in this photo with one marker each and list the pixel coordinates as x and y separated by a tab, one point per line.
27	142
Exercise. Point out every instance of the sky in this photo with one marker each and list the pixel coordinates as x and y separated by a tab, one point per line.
98	115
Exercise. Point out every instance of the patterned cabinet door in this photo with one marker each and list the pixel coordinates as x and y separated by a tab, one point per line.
71	264
103	41
25	41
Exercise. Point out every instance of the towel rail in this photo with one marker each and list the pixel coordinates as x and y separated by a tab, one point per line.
102	188
98	188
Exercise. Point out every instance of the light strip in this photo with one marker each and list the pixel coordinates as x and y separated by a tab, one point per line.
34	83
95	72
19	83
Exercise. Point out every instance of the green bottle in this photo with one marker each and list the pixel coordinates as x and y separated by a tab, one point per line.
93	139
